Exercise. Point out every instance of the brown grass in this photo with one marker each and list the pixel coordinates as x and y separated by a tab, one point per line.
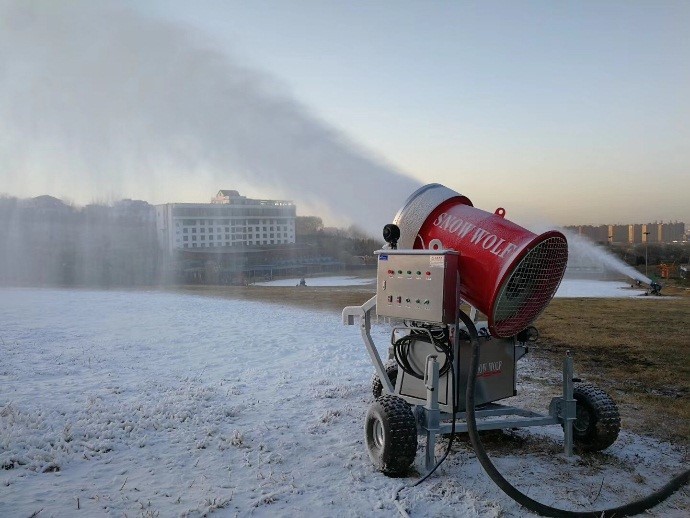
636	349
331	298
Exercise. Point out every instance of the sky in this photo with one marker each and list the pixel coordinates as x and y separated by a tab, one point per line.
561	112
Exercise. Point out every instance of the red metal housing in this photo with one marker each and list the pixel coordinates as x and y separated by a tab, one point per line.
507	272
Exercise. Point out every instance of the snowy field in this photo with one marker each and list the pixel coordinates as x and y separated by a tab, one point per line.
159	404
572	288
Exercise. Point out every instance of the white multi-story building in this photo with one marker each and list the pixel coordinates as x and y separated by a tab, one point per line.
230	220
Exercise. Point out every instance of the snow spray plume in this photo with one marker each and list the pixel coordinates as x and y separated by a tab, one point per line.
99	102
581	248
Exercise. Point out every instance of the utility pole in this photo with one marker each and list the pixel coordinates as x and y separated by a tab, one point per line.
646	240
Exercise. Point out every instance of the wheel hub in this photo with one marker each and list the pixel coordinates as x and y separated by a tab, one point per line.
378	434
581	423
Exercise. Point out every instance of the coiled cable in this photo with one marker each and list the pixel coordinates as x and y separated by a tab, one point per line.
402	347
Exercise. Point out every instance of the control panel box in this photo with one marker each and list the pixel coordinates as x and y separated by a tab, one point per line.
417	285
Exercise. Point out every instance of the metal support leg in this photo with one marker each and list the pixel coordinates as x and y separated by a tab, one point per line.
569	403
364	312
432	412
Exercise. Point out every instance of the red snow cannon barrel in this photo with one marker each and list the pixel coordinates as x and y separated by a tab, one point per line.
506	272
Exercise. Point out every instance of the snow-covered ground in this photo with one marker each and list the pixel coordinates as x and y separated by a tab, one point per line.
572	288
159	404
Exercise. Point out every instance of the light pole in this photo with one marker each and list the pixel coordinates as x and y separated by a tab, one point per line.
646	239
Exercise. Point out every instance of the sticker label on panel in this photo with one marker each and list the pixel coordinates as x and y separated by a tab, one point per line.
436	261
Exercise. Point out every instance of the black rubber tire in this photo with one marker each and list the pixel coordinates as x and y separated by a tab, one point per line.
598	421
391	435
392	371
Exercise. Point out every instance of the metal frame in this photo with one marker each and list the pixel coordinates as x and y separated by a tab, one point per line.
491	416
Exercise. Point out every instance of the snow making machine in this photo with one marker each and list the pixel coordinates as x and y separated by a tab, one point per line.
444	255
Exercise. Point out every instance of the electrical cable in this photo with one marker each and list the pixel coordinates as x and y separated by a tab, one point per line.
439	339
635	507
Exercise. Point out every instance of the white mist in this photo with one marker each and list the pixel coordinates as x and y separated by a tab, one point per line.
99	102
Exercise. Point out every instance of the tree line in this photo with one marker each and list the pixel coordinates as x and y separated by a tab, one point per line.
47	242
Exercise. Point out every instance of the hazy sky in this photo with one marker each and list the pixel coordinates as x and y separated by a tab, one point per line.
566	112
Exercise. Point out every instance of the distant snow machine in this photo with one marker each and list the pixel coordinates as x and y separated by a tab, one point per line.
655	288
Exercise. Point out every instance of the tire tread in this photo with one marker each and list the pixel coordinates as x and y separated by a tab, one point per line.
607	418
391	367
401	448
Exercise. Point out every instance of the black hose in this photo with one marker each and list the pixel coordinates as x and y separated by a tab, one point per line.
630	509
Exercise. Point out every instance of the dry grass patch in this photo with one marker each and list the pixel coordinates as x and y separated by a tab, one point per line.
313	297
636	349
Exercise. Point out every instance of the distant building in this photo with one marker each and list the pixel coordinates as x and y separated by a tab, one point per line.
45	205
632	234
598	234
224	196
618	233
229	222
673	232
133	209
652	233
635	233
